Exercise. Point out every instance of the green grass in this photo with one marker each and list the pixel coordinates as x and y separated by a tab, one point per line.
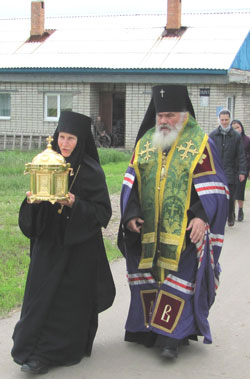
112	155
14	247
248	185
112	250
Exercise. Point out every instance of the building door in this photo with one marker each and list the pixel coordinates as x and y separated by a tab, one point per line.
106	109
118	119
112	112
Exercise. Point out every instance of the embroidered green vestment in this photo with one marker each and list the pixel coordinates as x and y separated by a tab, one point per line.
164	184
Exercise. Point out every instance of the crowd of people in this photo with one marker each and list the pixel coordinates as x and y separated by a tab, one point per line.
179	190
234	149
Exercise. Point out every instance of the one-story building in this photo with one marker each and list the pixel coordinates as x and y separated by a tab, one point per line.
107	65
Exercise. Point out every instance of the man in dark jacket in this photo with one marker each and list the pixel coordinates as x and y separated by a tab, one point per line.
231	151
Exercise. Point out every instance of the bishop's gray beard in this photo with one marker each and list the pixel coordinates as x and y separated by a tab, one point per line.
165	141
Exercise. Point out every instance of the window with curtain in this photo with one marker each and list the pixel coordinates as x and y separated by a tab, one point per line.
55	104
5	105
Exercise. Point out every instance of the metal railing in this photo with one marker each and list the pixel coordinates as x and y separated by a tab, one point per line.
22	141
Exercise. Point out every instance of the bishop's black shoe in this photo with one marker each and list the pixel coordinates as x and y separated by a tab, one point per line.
35	367
185	342
169	352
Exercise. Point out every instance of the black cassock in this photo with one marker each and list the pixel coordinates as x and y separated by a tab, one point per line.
69	279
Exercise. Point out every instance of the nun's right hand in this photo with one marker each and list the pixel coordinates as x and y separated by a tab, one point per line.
28	194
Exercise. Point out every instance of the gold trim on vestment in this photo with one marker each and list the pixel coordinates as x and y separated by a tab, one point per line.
170	235
149	238
180	300
172	239
154	291
211	159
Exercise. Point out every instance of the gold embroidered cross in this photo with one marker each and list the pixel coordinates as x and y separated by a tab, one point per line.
187	149
147	151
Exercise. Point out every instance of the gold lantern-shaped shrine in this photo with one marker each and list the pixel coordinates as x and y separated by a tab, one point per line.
48	176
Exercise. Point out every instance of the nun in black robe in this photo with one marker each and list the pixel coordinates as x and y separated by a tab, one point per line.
69	279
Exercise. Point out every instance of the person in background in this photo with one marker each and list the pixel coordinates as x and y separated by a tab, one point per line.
100	127
103	139
231	151
69	279
240	187
174	206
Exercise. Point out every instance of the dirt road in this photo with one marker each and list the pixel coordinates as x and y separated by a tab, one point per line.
227	358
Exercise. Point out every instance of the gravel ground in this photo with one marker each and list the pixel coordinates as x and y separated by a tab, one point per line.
227	358
112	229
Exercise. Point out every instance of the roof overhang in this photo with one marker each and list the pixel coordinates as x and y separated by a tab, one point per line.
87	75
133	71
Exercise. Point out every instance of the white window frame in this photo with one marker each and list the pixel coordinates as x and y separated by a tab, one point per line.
46	117
6	117
58	105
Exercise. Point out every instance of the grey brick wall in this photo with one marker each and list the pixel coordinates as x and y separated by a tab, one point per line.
138	98
27	104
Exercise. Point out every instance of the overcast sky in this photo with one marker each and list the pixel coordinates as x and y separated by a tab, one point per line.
21	8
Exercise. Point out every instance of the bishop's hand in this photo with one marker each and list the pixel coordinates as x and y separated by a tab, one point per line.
135	224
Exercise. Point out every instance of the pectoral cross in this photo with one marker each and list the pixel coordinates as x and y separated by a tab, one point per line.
147	151
163	166
162	92
187	149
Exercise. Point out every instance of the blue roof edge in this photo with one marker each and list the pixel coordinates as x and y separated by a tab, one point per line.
242	58
112	71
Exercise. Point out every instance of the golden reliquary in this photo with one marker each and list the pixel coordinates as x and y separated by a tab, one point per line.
48	176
